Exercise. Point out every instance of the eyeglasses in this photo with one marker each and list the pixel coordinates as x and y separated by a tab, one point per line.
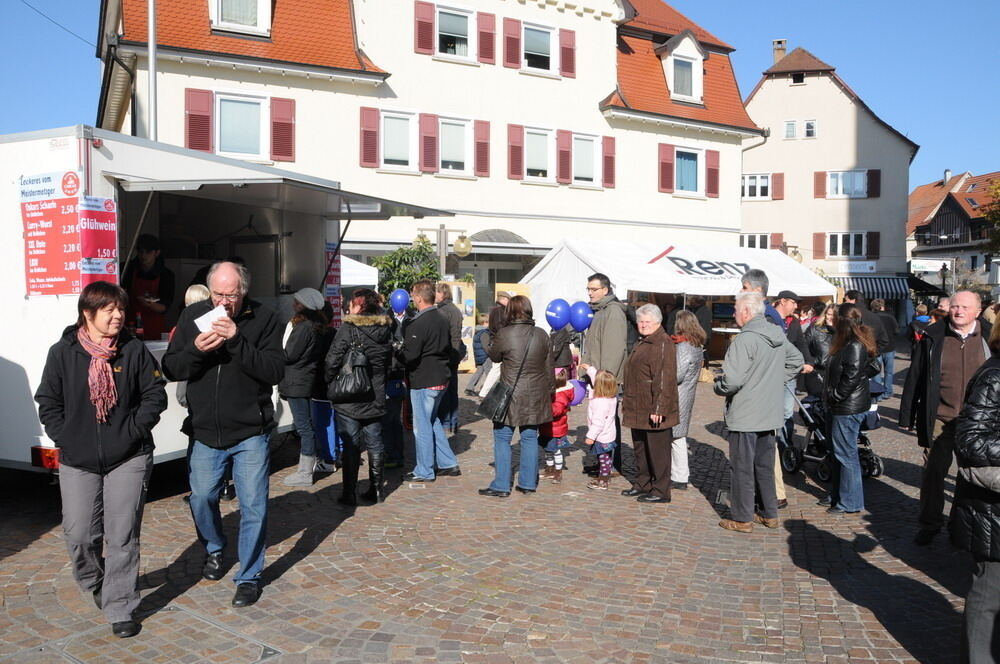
232	297
594	290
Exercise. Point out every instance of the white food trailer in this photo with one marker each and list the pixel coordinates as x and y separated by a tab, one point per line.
74	200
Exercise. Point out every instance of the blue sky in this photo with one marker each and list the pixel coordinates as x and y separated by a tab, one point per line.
927	68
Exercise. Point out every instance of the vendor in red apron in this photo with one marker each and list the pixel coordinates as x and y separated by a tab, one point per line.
150	288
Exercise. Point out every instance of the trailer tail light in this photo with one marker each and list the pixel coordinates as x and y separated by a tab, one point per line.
45	457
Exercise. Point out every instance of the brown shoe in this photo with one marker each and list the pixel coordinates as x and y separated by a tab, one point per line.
767	523
548	473
601	484
738	526
556	477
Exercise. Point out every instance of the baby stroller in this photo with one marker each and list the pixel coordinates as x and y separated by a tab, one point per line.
816	447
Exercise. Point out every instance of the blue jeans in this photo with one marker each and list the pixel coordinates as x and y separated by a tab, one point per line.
432	445
328	442
250	462
448	410
888	360
527	475
301	409
787	432
846	491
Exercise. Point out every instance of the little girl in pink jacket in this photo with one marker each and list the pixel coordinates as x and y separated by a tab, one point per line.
603	393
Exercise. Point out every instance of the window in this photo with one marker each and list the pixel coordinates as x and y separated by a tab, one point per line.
686	178
453	33
455	145
972	188
972	202
683	77
973	262
250	16
399	141
242	126
846	245
757	186
539	145
847	184
790	129
585	160
755	240
538	48
798	78
810	129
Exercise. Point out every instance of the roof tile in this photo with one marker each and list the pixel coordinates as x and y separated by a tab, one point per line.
657	16
799	60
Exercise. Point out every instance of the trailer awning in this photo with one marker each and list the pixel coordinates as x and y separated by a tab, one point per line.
887	288
307	195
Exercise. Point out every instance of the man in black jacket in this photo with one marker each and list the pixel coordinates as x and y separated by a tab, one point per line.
427	350
889	357
882	341
946	357
231	366
451	313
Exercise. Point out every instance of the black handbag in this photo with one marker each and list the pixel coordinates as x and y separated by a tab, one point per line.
353	383
495	404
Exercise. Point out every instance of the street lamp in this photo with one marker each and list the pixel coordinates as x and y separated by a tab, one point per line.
462	247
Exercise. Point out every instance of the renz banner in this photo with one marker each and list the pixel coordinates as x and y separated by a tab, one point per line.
69	240
702	267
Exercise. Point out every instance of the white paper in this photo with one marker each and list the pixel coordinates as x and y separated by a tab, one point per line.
205	321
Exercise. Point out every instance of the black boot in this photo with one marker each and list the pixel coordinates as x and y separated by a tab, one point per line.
351	460
375	492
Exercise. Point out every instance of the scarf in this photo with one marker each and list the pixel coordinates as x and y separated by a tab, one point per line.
678	338
100	377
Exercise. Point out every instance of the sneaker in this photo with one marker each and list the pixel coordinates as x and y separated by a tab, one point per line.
601	484
681	486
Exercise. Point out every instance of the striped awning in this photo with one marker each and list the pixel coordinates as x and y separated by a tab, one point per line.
887	288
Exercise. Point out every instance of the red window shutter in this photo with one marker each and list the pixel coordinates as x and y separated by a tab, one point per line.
564	156
874	240
819	184
423	27
198	119
819	246
666	171
369	137
515	152
487	27
712	173
777	186
512	43
429	143
608	170
481	129
776	241
282	129
874	183
567	53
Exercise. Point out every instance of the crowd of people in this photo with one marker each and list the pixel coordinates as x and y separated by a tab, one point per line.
102	393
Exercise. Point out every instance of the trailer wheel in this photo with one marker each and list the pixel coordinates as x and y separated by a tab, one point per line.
791	459
824	471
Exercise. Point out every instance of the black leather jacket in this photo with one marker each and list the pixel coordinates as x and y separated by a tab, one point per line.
819	338
846	390
975	515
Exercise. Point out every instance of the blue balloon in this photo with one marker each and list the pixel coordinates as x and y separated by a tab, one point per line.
579	392
399	300
580	316
557	313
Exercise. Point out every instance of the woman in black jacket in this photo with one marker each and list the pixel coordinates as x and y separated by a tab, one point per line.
302	357
359	423
975	512
819	338
100	396
853	361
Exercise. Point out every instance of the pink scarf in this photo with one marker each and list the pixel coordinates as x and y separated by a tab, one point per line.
100	377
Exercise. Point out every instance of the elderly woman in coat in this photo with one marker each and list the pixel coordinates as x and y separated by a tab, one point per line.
650	406
523	351
689	337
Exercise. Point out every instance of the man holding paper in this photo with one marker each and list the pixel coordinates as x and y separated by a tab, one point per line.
229	350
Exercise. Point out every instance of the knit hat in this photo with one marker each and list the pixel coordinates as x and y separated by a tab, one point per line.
310	298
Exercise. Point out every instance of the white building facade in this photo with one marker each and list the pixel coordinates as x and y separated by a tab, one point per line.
532	122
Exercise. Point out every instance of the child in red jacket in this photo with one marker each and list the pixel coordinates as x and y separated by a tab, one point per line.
554	434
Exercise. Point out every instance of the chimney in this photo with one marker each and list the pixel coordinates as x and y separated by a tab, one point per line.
947	176
779	49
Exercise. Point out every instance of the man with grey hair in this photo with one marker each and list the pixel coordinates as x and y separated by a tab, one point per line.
759	362
231	365
756	281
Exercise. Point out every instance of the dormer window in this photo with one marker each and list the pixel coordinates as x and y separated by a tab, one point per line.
798	78
252	17
683	57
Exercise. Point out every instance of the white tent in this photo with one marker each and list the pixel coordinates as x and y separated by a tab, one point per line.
669	268
356	273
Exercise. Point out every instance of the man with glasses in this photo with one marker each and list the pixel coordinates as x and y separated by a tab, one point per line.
231	368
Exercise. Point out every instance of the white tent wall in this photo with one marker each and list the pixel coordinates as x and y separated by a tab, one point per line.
691	270
356	273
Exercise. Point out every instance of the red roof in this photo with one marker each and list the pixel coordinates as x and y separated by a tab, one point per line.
798	60
926	199
659	17
972	202
308	32
642	87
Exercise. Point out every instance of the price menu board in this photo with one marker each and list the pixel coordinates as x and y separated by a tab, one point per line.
69	240
332	287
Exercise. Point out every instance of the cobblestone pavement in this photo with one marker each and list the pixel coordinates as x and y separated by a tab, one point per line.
441	574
